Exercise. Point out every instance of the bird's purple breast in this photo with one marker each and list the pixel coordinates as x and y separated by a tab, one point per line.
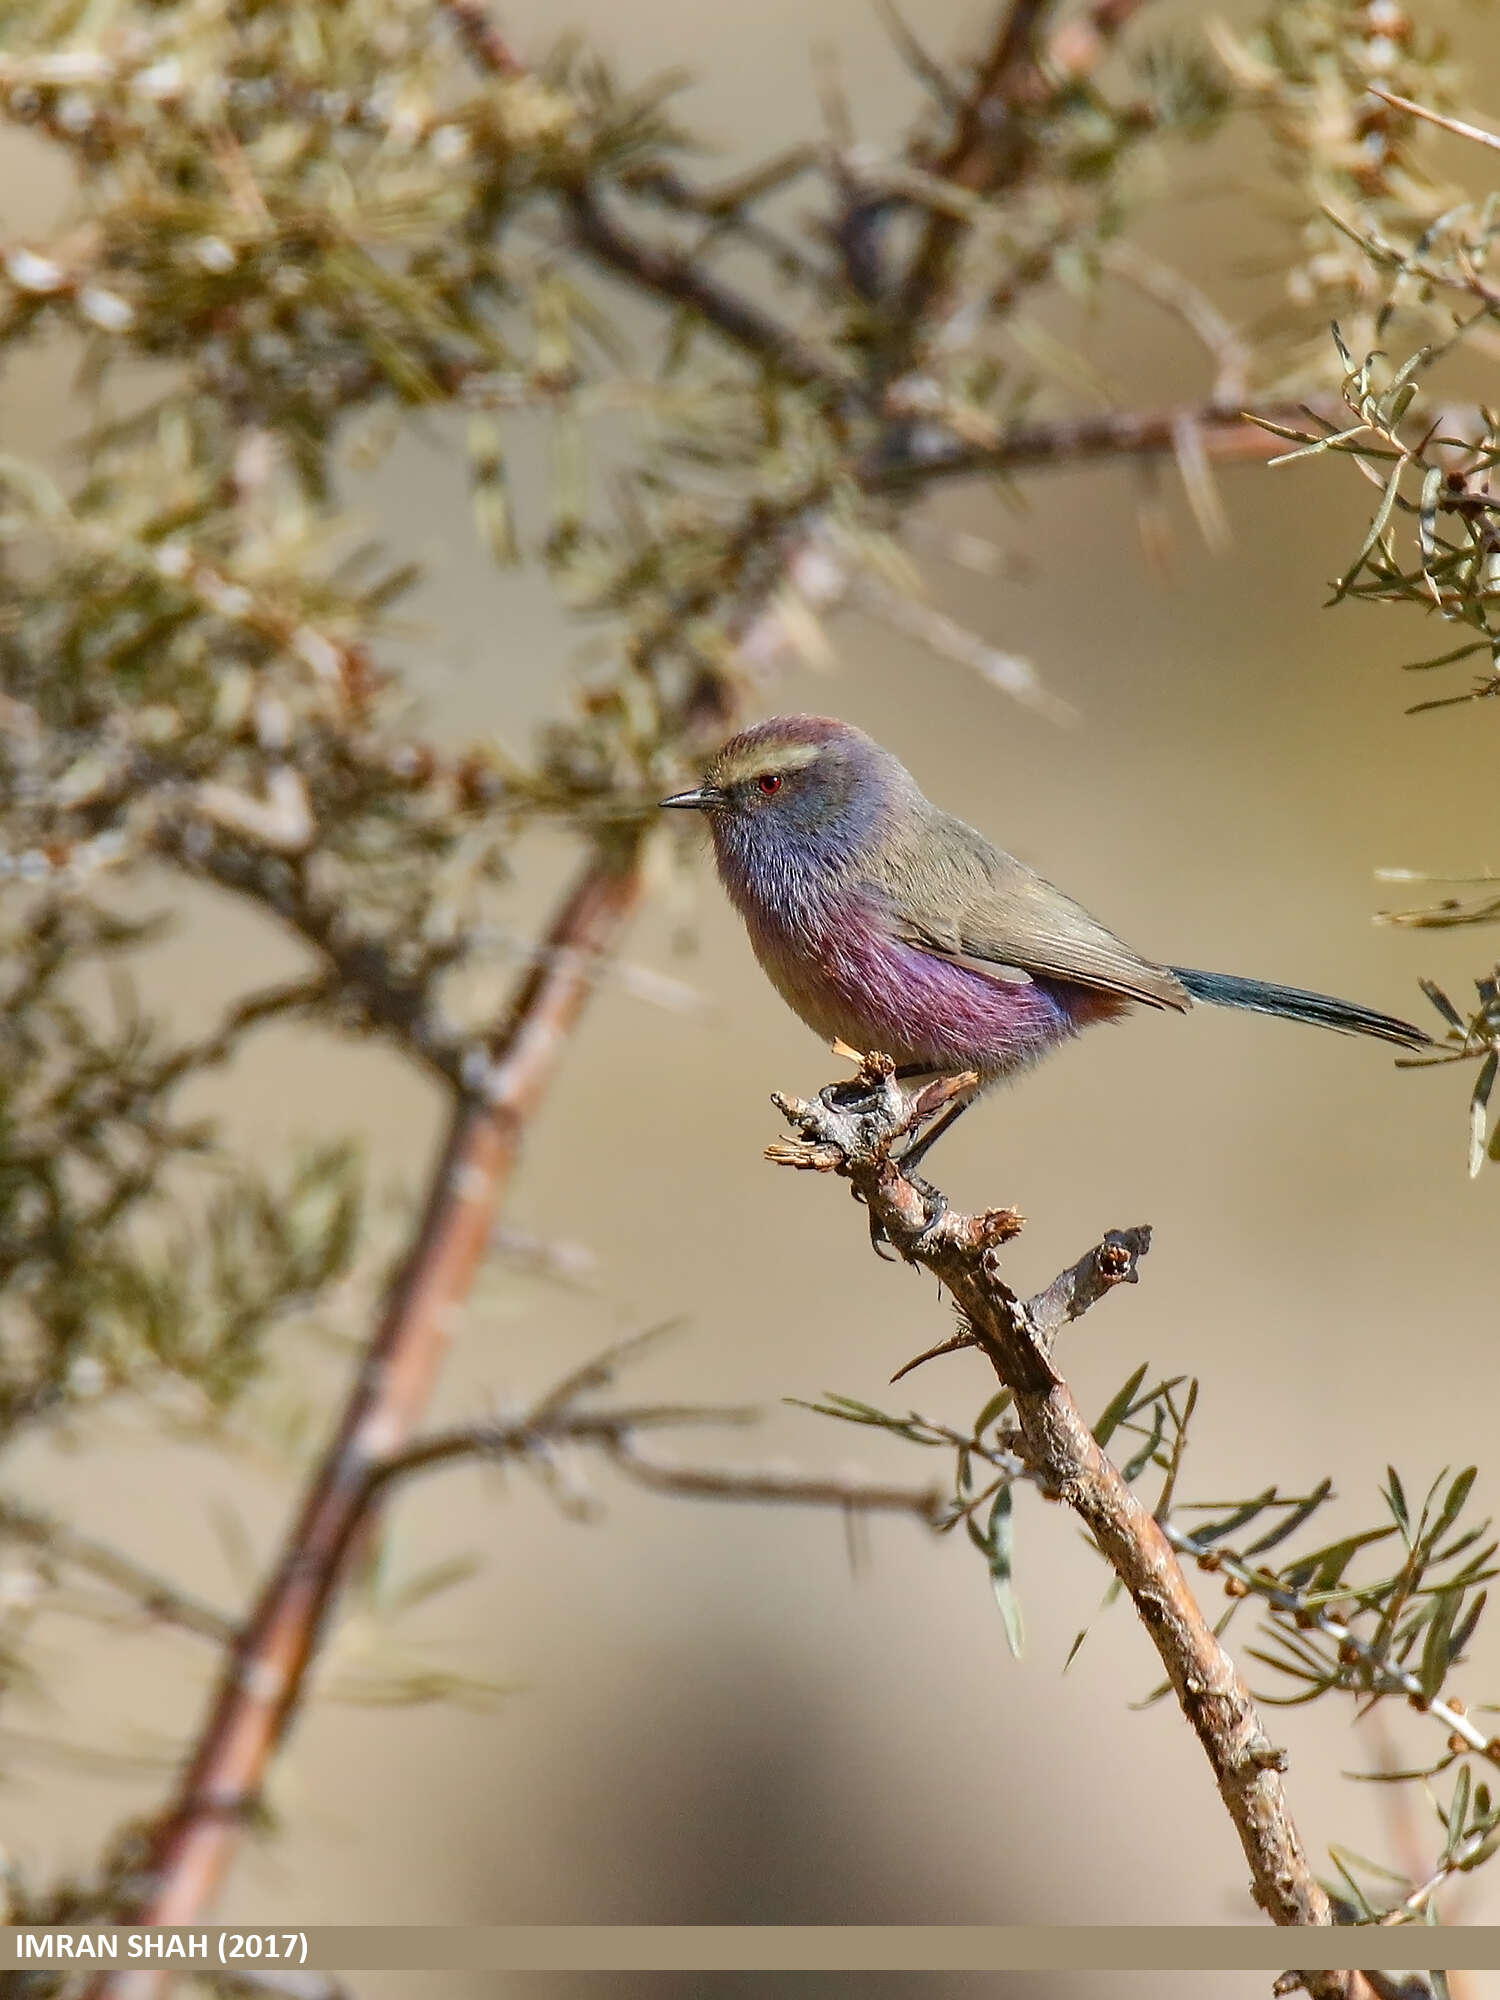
837	966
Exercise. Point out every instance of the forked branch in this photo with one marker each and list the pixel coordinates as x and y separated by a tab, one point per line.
851	1130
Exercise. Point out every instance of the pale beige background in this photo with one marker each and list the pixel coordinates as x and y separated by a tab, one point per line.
713	1718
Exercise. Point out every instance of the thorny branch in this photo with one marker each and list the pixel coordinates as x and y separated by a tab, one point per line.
850	1130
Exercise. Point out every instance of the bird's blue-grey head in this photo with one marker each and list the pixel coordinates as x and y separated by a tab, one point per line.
795	802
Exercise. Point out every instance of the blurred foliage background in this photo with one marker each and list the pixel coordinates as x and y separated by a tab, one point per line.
325	624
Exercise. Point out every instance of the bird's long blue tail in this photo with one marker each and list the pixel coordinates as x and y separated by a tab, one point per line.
1257	996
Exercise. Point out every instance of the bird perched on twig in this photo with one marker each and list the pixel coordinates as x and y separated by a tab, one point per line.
886	923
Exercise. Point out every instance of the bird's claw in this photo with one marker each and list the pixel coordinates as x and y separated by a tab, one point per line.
937	1208
936	1203
880	1243
854	1094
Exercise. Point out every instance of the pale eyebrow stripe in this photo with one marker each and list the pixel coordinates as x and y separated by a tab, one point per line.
783	758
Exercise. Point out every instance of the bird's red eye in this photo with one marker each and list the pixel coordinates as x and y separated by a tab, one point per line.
769	782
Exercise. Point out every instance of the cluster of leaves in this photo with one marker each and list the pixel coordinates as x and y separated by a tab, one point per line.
89	1130
1398	1632
1339	1618
1433	540
1351	163
985	1473
1470	1821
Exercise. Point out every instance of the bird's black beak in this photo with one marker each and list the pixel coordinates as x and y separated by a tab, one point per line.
703	800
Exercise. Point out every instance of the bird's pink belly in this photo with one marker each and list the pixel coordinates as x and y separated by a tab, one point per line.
848	980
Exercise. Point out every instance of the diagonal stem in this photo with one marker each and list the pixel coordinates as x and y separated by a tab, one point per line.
190	1847
988	147
961	1251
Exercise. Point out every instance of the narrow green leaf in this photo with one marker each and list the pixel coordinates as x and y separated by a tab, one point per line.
1001	1551
1293	1521
1322	1681
431	1583
1418	1771
1244	1512
1377	528
1427	514
1436	1657
1463	1632
1158	1693
1396	1498
1179	1446
1155	1394
1135	1466
1363	1908
1453	1504
1398	402
1118	1404
1111	1593
993	1410
1447	660
1479	1105
1330	442
1457	1815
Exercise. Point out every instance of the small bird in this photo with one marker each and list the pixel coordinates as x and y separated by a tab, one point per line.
886	923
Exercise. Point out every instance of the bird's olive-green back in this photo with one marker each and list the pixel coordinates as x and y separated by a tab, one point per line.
951	892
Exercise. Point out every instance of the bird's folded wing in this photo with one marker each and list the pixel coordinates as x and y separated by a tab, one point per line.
1083	961
992	915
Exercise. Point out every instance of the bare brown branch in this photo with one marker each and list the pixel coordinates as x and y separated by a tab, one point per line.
1115	1261
990	141
769	1484
615	1432
1464	130
986	149
154	1596
850	1131
668	274
482	41
190	1848
1225	434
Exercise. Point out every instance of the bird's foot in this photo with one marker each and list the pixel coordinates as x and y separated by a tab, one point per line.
852	1095
880	1243
937	1207
863	1091
936	1204
917	1149
911	1156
